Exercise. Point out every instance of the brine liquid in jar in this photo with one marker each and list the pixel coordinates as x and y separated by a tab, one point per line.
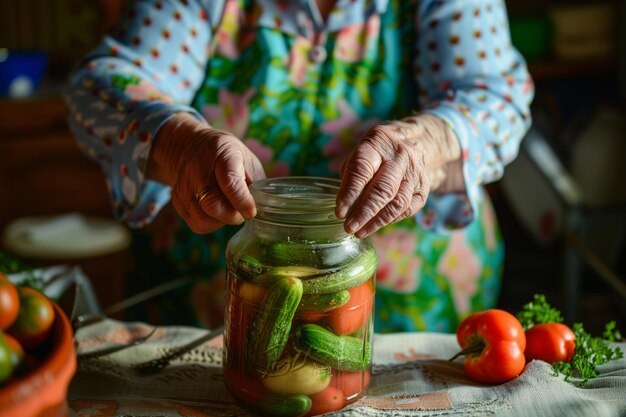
300	299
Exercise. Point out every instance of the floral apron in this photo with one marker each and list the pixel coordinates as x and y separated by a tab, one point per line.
302	114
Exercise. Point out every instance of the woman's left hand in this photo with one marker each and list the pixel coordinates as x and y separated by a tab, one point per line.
390	173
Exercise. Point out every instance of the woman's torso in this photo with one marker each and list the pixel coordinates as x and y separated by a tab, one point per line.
301	109
300	98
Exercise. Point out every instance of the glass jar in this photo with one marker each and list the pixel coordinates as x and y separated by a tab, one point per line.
300	299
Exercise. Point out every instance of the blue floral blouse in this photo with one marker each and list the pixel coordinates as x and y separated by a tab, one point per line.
299	91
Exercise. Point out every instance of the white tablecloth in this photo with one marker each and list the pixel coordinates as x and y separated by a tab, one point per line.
411	377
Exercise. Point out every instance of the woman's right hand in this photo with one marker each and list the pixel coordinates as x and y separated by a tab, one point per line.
209	171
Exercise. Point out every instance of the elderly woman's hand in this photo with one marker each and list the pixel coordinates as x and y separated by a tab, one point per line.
389	175
209	171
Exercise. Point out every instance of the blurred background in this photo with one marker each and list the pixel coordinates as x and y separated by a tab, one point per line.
561	204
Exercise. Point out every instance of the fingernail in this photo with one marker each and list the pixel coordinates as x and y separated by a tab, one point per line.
361	234
353	226
251	214
342	210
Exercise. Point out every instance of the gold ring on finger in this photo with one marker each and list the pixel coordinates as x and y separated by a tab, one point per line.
202	195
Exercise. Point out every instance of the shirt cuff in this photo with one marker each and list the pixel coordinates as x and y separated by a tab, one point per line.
443	213
137	200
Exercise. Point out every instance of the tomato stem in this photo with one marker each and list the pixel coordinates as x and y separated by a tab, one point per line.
470	349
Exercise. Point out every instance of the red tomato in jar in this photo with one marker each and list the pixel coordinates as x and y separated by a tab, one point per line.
236	333
246	388
330	399
241	310
351	316
550	342
310	316
9	302
34	319
351	383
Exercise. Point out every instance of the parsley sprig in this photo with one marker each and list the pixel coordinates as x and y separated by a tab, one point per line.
538	311
11	265
590	351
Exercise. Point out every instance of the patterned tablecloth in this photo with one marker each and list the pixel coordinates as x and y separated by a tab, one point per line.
411	377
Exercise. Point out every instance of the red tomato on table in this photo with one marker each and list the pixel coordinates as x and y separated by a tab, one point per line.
550	342
493	343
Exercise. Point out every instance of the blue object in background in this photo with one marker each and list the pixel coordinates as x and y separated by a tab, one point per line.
21	72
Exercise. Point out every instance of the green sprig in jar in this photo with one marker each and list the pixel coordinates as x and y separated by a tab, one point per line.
300	299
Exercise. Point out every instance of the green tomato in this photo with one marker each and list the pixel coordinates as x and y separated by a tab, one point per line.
18	357
6	364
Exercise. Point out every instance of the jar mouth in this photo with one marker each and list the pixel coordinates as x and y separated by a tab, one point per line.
297	200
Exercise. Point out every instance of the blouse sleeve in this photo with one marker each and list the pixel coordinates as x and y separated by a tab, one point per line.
136	78
470	76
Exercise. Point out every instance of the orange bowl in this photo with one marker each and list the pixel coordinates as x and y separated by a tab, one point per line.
43	391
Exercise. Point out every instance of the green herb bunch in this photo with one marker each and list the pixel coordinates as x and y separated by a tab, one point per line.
590	351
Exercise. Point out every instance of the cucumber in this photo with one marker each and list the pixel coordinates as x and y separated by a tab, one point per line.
249	267
269	332
356	272
316	281
293	253
345	353
276	273
283	405
330	254
324	302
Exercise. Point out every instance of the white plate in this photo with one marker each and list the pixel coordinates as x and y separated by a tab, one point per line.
69	236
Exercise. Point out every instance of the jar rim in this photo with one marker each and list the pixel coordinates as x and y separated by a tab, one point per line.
297	200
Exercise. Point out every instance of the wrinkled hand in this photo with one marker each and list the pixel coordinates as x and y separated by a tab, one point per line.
389	175
209	171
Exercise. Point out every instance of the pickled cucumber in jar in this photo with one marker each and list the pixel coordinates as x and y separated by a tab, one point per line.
300	299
